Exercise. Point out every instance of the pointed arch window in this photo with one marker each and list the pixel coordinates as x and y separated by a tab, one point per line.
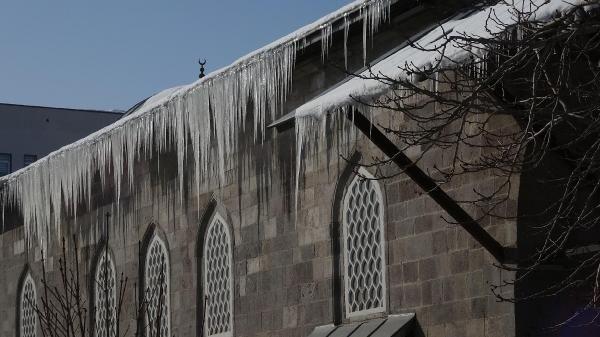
217	279
156	296
105	296
27	314
363	241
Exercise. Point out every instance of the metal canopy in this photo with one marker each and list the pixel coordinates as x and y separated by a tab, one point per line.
323	330
391	326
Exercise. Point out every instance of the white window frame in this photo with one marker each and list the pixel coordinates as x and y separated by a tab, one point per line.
362	172
105	255
157	239
218	218
28	280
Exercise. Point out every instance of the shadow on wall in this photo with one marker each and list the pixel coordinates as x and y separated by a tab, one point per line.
555	315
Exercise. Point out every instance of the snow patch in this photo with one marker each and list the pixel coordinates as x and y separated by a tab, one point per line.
476	24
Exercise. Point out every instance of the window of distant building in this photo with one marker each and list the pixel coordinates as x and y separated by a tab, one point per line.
218	279
364	253
157	297
28	159
5	164
27	306
105	296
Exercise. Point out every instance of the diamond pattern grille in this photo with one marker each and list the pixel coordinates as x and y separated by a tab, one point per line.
157	290
28	302
105	297
363	248
217	279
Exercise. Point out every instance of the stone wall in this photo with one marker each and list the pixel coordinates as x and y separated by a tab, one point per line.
284	266
284	262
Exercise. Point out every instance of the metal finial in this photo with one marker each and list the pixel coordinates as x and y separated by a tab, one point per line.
202	63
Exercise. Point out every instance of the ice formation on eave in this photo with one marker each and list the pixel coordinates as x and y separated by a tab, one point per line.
476	24
207	114
313	119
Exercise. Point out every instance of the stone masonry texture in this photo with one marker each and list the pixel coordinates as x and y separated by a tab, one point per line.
283	258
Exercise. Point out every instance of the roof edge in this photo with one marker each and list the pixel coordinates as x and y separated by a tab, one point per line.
61	108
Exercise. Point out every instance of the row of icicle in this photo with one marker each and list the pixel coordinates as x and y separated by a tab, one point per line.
218	102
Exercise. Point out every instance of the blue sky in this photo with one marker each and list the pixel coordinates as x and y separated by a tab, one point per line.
110	54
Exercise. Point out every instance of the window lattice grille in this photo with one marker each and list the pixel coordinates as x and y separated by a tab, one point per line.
105	297
28	302
157	289
364	256
217	279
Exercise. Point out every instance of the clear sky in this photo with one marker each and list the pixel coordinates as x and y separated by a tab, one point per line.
110	54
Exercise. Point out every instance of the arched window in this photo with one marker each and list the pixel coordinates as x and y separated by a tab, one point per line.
27	314
105	298
156	296
363	241
218	279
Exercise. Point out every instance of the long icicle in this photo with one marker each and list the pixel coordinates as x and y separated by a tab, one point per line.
53	187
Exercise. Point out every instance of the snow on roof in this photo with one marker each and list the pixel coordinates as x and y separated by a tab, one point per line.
160	98
172	119
473	24
322	24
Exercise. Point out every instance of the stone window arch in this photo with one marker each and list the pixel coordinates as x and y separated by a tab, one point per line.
27	307
157	288
217	279
363	244
105	295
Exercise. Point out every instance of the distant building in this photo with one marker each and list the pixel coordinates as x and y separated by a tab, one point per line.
30	132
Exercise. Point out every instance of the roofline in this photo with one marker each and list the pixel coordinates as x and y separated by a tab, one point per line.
309	39
288	120
60	108
337	25
136	106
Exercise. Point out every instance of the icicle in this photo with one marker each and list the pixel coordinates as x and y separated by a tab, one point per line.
300	131
373	14
346	30
363	14
326	32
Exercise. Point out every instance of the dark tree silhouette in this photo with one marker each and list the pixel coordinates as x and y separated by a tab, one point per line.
521	101
63	309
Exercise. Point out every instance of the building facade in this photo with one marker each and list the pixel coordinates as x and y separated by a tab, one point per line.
277	246
31	132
